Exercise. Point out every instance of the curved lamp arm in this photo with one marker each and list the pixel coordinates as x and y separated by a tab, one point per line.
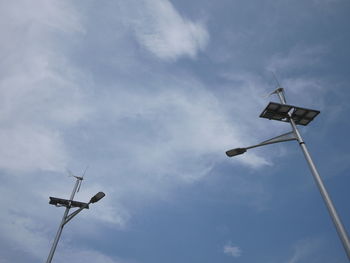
289	136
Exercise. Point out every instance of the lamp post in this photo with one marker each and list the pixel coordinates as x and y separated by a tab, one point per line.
299	116
67	217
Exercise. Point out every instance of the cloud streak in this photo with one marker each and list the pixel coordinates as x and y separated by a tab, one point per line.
163	31
232	250
307	250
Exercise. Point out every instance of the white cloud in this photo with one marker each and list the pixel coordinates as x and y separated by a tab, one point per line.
39	99
303	90
25	148
191	130
307	250
163	31
296	57
232	250
38	92
303	87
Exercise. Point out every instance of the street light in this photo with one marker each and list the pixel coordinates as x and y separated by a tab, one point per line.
97	197
298	116
68	204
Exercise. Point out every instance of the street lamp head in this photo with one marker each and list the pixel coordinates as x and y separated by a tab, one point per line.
234	152
97	197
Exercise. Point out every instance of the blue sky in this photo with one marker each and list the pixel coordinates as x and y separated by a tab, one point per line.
150	94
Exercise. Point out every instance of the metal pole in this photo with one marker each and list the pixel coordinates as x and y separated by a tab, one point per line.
63	221
327	199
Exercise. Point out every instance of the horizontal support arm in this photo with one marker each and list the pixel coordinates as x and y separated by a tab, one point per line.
289	136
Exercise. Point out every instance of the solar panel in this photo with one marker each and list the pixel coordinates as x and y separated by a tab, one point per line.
64	202
283	112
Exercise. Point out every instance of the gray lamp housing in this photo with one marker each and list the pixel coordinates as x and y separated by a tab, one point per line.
97	197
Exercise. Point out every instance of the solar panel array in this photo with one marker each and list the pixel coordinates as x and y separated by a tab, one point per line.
285	112
64	202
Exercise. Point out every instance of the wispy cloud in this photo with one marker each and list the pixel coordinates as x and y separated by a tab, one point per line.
307	250
297	57
163	31
304	86
35	87
232	250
